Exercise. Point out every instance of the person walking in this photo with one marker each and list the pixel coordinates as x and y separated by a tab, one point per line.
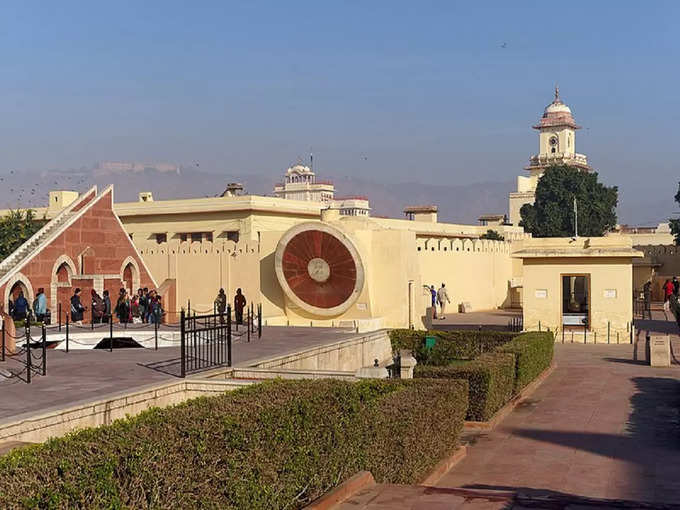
667	291
40	305
239	305
107	307
221	304
647	294
433	294
77	308
20	307
676	285
97	307
143	301
123	307
443	298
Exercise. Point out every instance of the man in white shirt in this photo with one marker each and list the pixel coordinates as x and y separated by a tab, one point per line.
442	299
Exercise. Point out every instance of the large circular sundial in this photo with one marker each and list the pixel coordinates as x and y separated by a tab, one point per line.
319	268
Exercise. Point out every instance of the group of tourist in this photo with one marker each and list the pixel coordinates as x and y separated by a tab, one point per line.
439	298
19	307
239	305
143	307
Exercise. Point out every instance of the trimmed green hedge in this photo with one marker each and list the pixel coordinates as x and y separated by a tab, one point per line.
533	354
270	446
449	345
490	377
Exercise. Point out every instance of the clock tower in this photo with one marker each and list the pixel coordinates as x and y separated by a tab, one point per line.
556	146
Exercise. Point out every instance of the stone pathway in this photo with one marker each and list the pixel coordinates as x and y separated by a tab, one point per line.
82	375
603	425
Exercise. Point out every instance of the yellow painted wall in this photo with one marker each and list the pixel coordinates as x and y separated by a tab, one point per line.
201	269
544	274
478	272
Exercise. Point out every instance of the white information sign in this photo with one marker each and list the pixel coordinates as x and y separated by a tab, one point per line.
574	320
610	293
541	293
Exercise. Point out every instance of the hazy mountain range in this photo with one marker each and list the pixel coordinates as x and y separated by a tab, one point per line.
457	203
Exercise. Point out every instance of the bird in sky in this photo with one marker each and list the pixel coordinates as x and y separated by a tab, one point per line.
504	45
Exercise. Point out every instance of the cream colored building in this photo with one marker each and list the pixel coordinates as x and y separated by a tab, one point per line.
582	287
300	183
556	146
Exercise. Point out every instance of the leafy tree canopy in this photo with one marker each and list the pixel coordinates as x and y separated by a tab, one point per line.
552	214
492	235
16	228
675	224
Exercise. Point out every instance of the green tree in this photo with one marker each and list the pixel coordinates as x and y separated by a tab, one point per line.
552	214
492	235
675	224
15	229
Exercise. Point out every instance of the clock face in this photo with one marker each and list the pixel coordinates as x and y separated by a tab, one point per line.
553	141
319	269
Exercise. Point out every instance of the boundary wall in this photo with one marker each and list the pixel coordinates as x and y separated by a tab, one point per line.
477	271
201	268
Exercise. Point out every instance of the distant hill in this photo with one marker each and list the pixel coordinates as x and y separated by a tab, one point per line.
457	203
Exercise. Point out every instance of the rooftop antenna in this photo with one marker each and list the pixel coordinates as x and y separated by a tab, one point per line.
311	160
557	92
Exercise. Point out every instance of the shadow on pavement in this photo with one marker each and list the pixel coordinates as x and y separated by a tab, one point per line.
526	497
650	443
166	366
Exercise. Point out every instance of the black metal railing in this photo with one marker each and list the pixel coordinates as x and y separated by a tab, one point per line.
31	356
205	341
516	324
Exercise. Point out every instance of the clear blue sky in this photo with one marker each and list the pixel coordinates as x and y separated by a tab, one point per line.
408	91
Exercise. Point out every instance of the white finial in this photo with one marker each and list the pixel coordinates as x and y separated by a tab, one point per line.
557	92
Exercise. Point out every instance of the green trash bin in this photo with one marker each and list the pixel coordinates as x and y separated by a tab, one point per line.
430	341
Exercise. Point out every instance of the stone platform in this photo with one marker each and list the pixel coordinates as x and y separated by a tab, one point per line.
91	374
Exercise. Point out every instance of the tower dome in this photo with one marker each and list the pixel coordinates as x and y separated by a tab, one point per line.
557	114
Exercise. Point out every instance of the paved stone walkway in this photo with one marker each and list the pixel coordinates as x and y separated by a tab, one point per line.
90	374
603	425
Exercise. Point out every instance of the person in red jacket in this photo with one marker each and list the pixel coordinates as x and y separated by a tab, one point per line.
668	289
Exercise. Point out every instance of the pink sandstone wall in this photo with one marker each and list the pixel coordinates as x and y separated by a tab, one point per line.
109	245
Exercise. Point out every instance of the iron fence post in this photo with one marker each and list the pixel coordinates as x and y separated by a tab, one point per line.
110	335
92	317
182	349
44	350
229	334
59	314
2	355
155	333
248	323
66	332
259	320
28	348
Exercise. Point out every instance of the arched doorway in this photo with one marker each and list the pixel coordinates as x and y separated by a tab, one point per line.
129	275
127	279
63	271
18	284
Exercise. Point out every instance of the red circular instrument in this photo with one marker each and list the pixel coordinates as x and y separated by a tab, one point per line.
319	268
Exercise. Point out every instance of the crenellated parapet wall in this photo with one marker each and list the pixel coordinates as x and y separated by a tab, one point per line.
475	271
201	268
453	245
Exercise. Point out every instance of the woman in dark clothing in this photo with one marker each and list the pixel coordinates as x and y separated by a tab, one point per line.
98	307
77	308
107	307
123	307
